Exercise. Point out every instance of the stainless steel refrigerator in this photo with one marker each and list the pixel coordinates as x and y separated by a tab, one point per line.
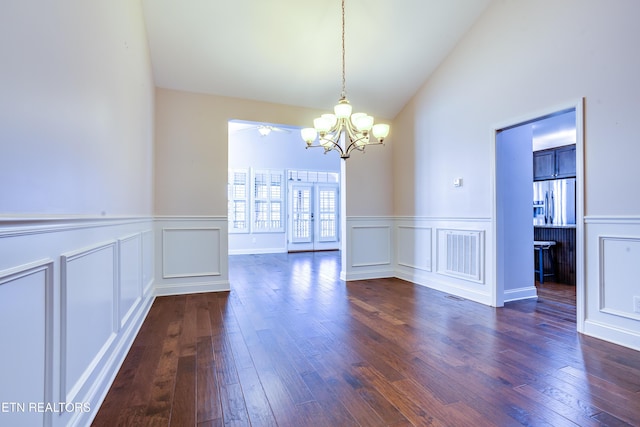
554	202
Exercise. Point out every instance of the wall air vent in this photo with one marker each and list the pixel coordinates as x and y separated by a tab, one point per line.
461	254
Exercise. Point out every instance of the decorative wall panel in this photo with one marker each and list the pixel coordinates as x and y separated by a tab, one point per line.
191	255
88	286
130	283
612	269
413	247
26	310
190	252
70	319
454	260
619	275
370	245
147	261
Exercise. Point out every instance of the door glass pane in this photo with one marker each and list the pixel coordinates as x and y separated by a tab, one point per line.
327	213
301	214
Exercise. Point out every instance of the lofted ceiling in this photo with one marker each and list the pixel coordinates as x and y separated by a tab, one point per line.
289	51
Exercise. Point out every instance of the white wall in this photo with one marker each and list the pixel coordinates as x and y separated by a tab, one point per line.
514	196
76	234
520	58
76	109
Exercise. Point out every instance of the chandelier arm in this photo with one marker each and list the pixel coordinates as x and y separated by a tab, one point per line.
334	143
333	146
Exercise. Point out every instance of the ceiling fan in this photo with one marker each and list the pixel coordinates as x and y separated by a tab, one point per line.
265	130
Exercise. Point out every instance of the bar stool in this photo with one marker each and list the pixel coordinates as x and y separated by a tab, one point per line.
540	247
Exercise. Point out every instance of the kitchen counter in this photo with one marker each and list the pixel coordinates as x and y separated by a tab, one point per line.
564	251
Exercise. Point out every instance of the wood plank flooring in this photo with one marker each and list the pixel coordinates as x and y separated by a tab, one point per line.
559	292
291	345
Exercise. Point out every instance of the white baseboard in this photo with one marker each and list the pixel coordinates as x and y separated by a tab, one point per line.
520	294
606	332
183	288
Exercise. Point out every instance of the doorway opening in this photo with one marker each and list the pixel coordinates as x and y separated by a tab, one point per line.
281	197
539	163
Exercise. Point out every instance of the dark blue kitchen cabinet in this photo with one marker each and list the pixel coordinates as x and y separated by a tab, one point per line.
554	163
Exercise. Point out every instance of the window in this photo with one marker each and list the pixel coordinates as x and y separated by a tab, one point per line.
238	200
268	201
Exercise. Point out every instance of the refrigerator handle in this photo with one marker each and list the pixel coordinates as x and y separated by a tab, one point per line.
552	208
546	207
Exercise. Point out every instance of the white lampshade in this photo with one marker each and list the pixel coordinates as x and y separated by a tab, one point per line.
355	117
331	118
342	110
322	124
380	130
363	122
308	134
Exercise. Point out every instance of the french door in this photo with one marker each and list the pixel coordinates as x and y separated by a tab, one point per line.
313	216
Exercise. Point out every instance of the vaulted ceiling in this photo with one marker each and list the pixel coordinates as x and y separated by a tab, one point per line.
289	51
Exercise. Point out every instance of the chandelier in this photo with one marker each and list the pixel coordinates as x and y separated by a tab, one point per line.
357	128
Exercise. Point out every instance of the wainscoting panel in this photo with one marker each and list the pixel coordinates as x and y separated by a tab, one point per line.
26	310
147	262
369	248
612	279
70	319
414	247
191	255
459	253
190	252
130	289
88	284
619	275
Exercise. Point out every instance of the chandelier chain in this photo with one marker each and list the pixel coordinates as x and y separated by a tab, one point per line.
344	84
341	130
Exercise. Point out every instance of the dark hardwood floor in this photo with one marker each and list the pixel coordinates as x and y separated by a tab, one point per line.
559	292
291	345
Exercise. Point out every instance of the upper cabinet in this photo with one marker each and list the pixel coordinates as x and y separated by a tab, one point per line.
554	163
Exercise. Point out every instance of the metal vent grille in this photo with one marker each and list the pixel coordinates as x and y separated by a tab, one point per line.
463	254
